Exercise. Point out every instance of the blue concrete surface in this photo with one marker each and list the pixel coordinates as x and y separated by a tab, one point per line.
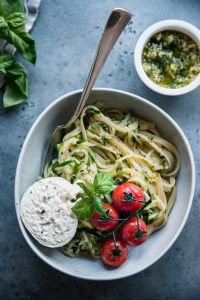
67	33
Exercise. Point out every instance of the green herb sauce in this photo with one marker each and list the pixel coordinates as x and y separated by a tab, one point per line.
171	59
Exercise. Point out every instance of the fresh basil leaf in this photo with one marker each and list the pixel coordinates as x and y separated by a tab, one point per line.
84	208
66	162
7	7
12	29
12	95
17	20
5	62
24	44
87	189
16	89
18	74
3	26
99	207
103	183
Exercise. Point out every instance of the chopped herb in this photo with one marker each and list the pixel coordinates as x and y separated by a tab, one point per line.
80	139
94	111
92	129
90	158
150	137
103	141
67	162
58	146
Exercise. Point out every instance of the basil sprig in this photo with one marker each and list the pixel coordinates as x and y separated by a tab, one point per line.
12	29
91	202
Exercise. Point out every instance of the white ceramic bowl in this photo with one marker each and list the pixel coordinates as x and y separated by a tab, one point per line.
175	25
29	166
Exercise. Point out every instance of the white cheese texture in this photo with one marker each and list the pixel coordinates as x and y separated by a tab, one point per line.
46	211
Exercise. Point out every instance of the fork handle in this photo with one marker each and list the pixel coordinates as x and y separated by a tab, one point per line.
117	21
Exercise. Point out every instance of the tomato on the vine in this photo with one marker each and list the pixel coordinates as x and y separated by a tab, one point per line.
114	252
105	224
128	197
134	232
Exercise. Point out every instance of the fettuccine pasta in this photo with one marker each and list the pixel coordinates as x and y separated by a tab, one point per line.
128	148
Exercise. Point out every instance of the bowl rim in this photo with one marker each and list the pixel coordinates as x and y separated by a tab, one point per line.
176	25
17	197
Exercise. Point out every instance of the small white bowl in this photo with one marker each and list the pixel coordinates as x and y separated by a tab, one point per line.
175	25
29	166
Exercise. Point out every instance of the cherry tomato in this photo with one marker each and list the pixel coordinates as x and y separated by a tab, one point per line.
127	197
101	223
134	232
114	253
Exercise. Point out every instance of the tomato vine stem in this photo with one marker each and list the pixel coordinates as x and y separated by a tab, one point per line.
135	214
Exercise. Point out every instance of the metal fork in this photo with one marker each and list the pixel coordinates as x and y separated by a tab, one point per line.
117	21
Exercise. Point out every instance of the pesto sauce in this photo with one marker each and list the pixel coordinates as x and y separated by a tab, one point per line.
171	59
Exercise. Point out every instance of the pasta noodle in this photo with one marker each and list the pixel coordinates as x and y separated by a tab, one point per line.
128	148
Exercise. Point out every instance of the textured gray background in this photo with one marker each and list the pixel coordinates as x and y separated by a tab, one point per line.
67	33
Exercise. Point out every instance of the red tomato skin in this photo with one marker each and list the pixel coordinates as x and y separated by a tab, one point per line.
107	255
124	205
128	229
109	225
